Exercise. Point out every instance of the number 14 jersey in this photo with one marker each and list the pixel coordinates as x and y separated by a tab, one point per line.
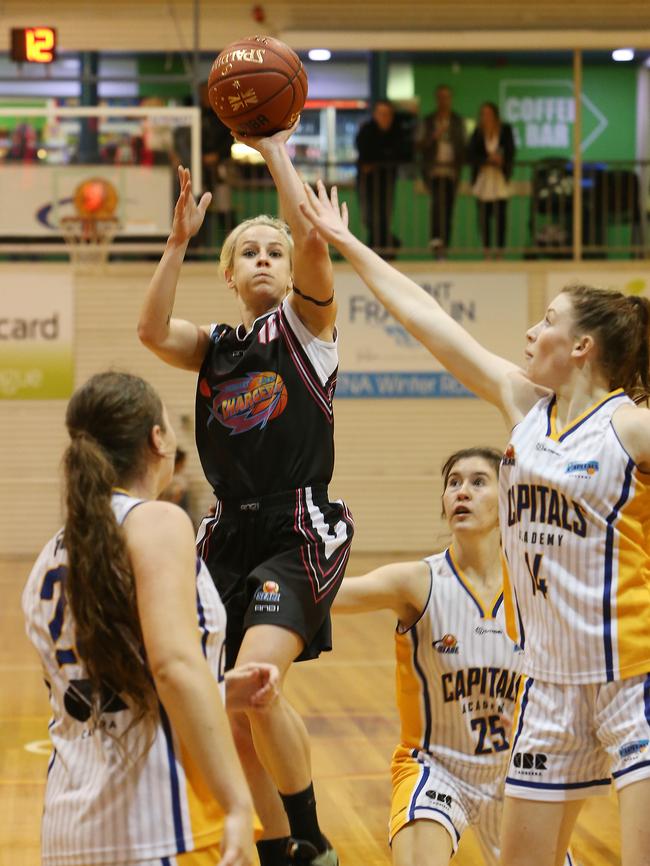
575	524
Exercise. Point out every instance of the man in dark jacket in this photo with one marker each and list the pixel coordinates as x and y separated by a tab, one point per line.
442	149
380	146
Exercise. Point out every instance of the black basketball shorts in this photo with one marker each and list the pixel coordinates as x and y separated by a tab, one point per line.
278	560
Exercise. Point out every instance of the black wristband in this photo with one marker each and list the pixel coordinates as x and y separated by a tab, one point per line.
311	300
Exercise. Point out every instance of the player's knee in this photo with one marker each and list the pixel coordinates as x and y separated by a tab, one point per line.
256	716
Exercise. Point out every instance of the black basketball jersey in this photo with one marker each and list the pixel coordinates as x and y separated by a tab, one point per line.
264	420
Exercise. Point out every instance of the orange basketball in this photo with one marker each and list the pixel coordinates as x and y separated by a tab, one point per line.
96	197
257	86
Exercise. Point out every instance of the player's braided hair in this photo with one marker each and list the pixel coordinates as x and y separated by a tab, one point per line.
109	420
620	326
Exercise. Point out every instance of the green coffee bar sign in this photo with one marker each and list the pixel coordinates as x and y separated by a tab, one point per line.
36	329
542	113
538	101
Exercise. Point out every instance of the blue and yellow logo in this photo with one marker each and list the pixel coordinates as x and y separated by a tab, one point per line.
590	467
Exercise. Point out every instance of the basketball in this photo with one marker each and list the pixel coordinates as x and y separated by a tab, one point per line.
96	197
257	86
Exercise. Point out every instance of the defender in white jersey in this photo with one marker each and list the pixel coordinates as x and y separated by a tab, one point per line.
586	603
130	631
458	674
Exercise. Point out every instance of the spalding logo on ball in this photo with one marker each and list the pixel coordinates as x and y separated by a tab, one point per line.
257	86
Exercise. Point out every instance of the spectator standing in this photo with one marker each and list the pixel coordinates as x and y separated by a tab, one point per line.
442	151
491	154
380	146
216	141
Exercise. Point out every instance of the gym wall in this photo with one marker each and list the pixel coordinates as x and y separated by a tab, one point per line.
389	451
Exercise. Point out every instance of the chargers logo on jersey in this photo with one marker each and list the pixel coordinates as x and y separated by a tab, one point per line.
248	402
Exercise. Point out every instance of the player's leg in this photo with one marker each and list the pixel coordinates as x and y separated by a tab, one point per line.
535	832
422	843
273	844
279	733
288	617
428	810
281	739
555	763
624	728
222	544
634	807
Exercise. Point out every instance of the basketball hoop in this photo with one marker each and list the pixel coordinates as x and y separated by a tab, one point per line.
89	234
88	240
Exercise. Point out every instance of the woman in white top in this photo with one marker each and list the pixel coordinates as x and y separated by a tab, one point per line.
491	153
130	630
575	523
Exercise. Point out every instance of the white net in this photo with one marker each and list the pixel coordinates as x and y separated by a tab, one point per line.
88	240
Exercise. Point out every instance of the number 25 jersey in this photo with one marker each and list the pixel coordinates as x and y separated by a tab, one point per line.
575	518
458	674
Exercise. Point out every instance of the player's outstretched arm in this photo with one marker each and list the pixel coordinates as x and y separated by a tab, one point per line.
177	341
160	541
402	587
489	376
312	267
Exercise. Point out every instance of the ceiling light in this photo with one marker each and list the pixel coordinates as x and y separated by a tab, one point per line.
319	54
623	54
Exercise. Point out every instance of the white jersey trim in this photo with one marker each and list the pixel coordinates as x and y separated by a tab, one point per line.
323	354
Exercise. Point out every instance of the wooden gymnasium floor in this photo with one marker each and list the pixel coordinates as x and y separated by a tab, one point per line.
346	699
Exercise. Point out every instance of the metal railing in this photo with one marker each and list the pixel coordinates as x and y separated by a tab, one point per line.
392	209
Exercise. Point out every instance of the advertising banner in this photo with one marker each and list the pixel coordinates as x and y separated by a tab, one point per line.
379	358
36	336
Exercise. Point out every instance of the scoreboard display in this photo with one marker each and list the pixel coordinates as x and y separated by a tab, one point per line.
33	44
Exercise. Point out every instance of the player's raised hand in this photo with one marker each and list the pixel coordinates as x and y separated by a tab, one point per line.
188	215
264	143
325	213
251	685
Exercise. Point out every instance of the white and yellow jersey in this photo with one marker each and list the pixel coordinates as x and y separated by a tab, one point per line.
575	522
109	798
457	678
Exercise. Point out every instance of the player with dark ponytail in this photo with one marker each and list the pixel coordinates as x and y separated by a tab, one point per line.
130	631
109	421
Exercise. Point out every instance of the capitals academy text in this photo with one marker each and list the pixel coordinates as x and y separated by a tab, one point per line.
537	503
480	685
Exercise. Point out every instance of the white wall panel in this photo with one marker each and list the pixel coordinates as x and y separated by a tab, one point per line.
389	452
